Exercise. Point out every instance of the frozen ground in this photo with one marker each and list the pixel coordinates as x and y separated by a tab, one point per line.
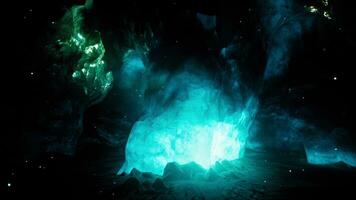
258	175
277	175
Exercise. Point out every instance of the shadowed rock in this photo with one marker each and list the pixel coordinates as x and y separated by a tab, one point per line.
190	171
158	185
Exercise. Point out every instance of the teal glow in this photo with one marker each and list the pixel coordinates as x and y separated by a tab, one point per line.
132	63
330	156
132	69
191	121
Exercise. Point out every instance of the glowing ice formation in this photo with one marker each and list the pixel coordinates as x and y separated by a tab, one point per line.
132	69
330	157
326	151
89	70
199	124
284	25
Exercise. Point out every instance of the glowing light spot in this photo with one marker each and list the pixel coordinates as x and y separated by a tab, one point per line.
80	36
312	9
90	49
76	74
327	15
322	12
225	144
325	2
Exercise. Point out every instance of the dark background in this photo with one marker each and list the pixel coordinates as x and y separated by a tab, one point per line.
308	89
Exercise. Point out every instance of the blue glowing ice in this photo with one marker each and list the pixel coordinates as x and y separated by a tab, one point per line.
326	150
132	69
193	121
330	156
284	24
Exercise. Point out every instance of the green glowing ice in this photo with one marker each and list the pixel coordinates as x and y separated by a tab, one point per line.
324	11
89	70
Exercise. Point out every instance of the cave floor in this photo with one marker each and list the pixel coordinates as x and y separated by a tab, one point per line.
258	175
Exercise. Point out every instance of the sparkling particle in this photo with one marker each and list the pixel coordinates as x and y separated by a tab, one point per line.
334	78
8	184
312	9
320	11
325	2
327	15
290	171
336	149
